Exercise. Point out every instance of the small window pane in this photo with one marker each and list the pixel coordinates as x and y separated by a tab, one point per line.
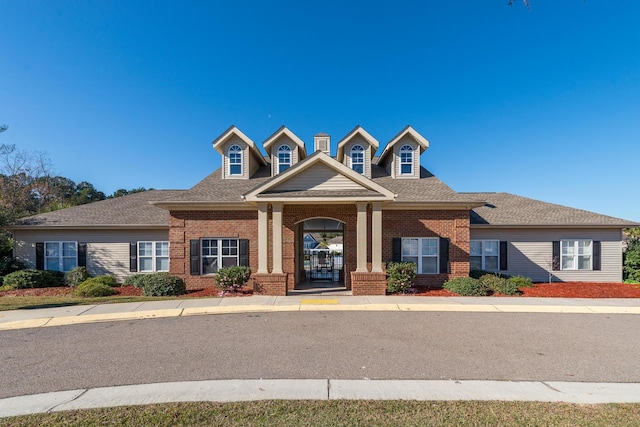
475	247
413	259
235	170
567	248
52	249
584	247
162	248
405	168
162	264
490	247
567	263
229	261
146	264
584	262
475	263
69	249
429	247
429	265
209	265
409	247
146	248
358	167
53	264
491	262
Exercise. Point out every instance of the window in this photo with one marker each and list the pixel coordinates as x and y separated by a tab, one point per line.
406	160
484	255
424	252
153	256
576	254
218	253
357	158
60	256
284	158
235	160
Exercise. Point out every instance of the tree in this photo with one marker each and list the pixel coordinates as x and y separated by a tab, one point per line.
632	255
122	192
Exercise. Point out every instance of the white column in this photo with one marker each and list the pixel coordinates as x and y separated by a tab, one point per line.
362	237
263	238
376	238
277	237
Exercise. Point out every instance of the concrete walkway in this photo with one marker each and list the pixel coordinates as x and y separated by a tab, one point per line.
320	389
77	314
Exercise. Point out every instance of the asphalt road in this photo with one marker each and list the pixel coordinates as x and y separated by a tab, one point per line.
335	345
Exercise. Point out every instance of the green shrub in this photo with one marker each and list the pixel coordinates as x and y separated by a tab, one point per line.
76	276
232	278
94	288
499	285
162	285
476	274
400	276
9	264
632	260
30	278
521	281
104	280
137	280
466	286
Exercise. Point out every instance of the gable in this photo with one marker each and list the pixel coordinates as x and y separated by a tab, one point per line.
318	177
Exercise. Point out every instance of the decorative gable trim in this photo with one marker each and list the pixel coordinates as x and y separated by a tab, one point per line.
422	142
315	159
219	143
358	130
284	131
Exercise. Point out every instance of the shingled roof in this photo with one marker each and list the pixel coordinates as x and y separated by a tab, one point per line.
504	209
129	211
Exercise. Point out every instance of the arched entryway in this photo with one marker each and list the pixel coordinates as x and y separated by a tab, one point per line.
320	256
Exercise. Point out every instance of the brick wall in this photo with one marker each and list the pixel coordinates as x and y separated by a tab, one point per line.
452	224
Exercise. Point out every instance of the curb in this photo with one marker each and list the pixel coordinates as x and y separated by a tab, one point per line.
320	389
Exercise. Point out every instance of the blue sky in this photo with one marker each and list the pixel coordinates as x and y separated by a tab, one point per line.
543	103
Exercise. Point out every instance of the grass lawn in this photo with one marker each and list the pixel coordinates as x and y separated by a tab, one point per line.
344	413
15	303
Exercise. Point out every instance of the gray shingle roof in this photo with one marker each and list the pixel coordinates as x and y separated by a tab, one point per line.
133	209
503	209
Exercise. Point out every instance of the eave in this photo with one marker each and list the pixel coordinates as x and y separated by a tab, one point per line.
554	226
200	205
435	205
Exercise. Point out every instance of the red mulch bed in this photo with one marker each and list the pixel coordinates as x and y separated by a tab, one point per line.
549	290
560	290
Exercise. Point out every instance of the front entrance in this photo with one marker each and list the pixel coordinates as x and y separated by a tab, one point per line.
320	257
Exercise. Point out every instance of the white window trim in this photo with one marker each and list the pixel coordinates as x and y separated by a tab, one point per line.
483	255
60	256
284	149
576	255
153	256
406	149
236	149
219	256
420	256
361	151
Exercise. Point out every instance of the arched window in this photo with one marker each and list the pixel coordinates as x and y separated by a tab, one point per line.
357	158
284	158
235	160
406	160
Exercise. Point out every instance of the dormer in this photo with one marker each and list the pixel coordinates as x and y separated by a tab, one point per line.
240	156
284	149
401	156
322	142
356	150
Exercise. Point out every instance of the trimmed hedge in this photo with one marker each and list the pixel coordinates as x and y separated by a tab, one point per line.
94	288
104	280
467	286
30	278
499	284
137	280
162	285
76	276
476	274
521	281
400	276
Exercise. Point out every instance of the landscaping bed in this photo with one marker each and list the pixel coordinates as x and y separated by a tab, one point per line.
559	290
122	291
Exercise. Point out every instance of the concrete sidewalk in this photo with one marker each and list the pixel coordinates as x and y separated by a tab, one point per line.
77	314
320	389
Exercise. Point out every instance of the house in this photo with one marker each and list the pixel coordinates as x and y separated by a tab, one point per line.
258	210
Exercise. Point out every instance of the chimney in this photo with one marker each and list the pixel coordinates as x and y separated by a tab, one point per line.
321	142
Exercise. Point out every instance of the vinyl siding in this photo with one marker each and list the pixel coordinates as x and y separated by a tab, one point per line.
319	177
274	154
107	251
529	252
406	140
367	154
245	158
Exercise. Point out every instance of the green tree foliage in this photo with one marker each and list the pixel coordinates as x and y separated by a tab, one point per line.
122	192
632	256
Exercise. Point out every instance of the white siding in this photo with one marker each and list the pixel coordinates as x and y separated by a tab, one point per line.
318	177
530	252
107	250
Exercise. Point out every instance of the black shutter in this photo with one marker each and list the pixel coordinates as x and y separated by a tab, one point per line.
82	254
40	255
503	256
396	255
596	255
133	257
194	257
243	252
444	255
556	255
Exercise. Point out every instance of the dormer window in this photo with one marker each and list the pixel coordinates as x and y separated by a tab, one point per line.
357	158
235	160
284	158
406	160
